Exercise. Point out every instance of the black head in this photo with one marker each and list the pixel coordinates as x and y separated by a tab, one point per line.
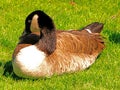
42	19
39	22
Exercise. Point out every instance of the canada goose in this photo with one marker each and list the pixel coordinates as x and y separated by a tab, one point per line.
43	51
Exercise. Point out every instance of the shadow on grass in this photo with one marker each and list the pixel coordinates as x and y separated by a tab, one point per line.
115	37
0	64
8	71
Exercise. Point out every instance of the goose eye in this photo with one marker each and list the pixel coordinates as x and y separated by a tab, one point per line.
29	21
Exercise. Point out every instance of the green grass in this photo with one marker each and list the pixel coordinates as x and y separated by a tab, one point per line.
104	74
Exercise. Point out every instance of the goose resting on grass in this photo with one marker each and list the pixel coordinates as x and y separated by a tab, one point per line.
43	51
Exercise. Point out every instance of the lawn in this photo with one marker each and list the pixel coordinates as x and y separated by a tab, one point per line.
104	74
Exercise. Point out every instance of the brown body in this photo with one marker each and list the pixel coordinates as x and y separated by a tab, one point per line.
75	50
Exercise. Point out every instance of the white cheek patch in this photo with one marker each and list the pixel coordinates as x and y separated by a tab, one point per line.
30	58
34	24
88	30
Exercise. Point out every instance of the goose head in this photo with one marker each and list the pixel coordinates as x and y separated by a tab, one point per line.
36	21
39	27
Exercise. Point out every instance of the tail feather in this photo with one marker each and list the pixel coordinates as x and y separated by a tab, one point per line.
94	27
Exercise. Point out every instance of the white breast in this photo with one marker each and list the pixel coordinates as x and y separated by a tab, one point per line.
28	59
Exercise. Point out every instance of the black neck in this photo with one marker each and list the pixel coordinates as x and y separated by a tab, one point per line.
47	42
